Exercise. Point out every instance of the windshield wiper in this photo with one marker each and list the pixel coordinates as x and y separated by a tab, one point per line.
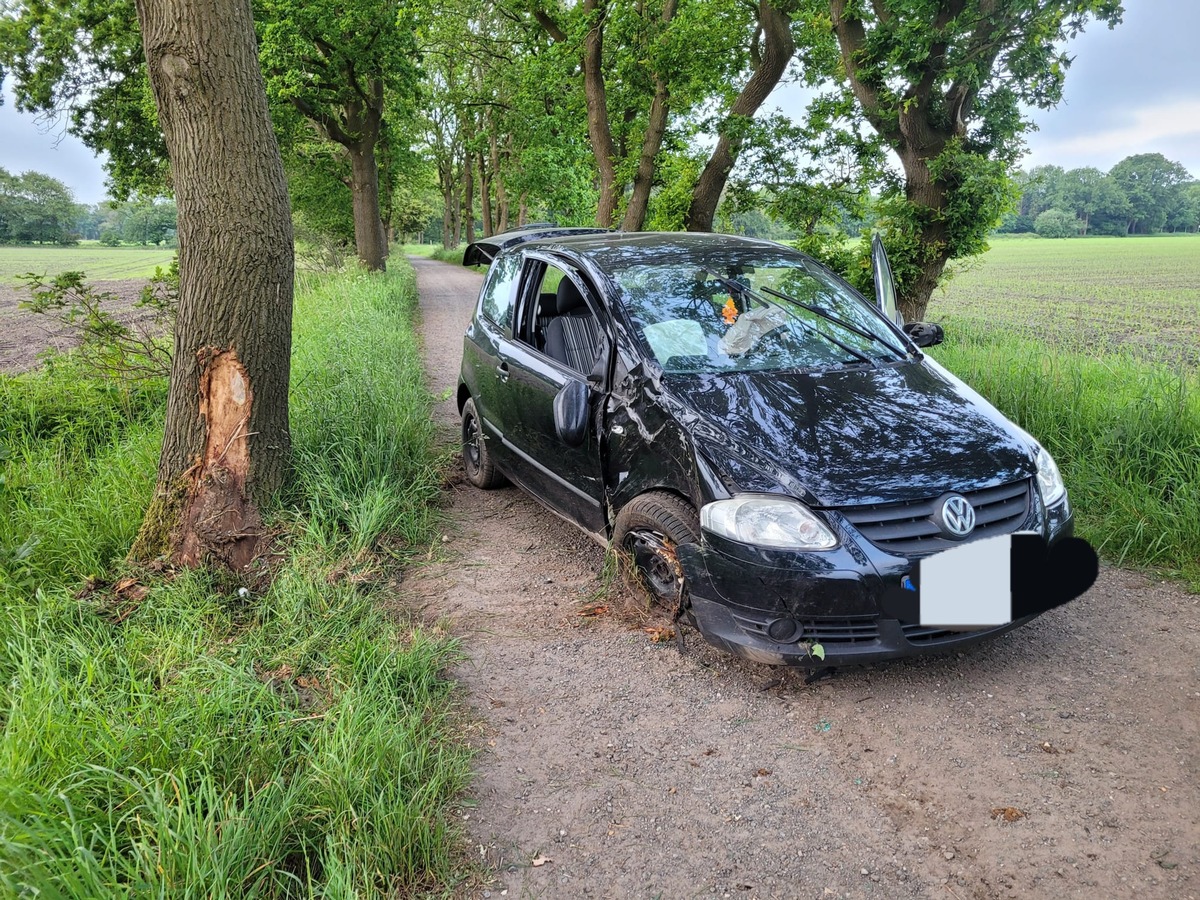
838	320
738	287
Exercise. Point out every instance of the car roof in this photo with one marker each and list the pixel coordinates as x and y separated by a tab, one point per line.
616	249
483	251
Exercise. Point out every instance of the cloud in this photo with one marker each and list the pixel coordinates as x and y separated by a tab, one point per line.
1171	128
1146	126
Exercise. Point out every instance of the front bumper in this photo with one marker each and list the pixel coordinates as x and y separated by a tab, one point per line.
771	606
846	641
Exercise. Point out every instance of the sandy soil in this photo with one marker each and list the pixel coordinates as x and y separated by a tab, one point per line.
23	335
612	766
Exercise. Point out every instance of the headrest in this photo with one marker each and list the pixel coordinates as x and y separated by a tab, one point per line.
569	297
547	304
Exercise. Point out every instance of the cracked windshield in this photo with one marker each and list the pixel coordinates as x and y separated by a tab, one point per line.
752	316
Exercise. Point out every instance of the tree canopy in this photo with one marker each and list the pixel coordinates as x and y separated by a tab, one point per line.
395	115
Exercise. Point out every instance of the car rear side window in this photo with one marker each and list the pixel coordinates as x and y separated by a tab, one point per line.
499	291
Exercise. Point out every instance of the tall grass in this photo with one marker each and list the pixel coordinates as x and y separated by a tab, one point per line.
202	742
1124	431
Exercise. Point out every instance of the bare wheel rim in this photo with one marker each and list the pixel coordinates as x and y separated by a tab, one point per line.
471	438
654	559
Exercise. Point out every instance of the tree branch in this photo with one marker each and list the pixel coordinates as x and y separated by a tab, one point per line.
552	29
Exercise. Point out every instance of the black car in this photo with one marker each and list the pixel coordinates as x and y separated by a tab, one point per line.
772	452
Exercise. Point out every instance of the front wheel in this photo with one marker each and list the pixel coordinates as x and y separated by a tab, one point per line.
477	461
647	530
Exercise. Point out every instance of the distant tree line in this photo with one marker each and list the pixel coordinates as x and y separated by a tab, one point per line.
1142	194
39	209
36	209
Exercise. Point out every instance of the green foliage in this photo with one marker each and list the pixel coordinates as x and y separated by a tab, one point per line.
1056	223
1151	183
181	738
86	57
108	347
141	220
35	208
944	89
676	175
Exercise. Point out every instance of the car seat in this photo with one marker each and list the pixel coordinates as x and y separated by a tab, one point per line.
573	335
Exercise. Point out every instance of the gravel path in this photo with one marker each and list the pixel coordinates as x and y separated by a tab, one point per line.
616	767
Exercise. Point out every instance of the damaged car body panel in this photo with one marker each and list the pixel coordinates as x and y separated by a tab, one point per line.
767	445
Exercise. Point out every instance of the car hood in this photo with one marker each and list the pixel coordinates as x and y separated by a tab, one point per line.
850	437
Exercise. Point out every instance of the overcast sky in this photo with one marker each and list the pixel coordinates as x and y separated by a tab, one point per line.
1130	90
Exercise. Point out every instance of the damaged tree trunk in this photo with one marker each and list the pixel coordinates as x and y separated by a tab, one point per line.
226	443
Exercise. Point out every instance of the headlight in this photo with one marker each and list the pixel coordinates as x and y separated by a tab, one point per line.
767	522
1050	483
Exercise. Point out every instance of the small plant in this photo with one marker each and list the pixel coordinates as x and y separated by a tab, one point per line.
108	346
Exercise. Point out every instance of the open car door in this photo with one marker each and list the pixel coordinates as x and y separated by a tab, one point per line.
885	285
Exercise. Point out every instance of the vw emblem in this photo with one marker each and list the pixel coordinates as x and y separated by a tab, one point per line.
956	516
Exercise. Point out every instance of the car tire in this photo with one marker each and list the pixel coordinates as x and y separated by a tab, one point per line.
645	534
477	461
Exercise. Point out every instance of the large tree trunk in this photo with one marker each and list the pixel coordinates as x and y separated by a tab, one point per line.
501	191
643	179
485	196
370	240
929	196
776	53
359	130
226	442
468	204
656	126
597	115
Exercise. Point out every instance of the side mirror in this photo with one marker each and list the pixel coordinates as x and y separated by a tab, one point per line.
925	334
571	413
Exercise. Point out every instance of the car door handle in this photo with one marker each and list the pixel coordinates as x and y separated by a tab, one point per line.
502	371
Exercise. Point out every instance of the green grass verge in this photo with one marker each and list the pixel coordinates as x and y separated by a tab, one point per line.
196	742
99	262
453	255
1124	431
416	249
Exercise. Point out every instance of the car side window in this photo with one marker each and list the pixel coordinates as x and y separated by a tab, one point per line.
499	291
562	326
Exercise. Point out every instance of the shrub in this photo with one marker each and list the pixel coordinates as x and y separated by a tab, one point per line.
1057	223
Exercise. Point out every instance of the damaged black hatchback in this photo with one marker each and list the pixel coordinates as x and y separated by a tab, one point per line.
770	450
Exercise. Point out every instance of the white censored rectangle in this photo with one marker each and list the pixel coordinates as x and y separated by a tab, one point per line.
968	586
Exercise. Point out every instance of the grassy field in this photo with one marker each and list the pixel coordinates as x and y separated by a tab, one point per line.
172	737
99	262
1098	295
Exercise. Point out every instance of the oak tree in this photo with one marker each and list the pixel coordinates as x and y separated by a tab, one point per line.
943	83
226	442
344	66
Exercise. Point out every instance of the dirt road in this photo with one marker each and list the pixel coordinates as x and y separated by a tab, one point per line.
616	767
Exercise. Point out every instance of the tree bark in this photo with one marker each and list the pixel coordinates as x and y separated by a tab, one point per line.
226	440
599	132
777	50
485	196
656	127
468	205
501	191
643	179
913	136
370	240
